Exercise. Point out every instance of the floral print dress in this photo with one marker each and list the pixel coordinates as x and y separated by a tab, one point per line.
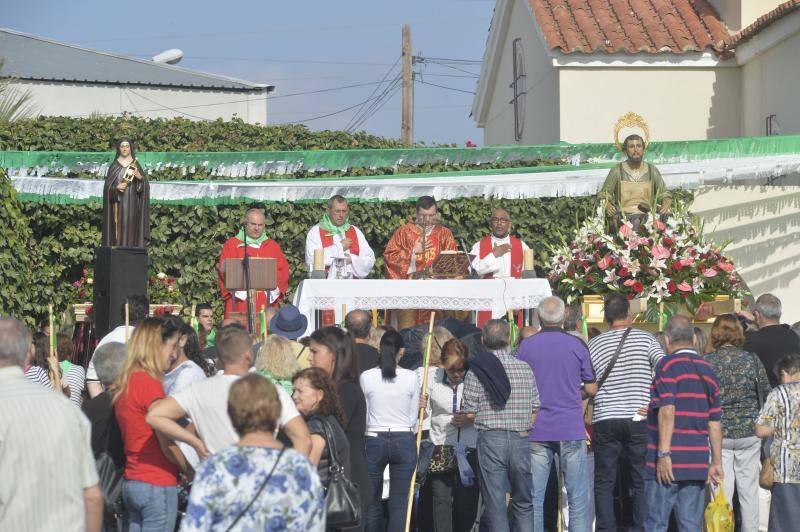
781	411
292	499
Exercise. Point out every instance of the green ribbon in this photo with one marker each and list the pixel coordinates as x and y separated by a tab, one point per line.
327	224
250	240
584	328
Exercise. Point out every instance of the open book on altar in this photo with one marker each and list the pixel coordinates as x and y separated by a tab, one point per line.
451	265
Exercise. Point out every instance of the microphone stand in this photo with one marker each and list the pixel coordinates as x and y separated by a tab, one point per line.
246	272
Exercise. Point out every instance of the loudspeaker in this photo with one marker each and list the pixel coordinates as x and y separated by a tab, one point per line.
118	274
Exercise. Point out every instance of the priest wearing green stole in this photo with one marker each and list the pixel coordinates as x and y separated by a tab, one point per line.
252	234
346	252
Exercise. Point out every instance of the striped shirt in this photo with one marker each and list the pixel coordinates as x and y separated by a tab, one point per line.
515	416
627	388
677	383
46	458
76	378
40	376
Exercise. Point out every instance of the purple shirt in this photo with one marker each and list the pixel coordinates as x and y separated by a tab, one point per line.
560	364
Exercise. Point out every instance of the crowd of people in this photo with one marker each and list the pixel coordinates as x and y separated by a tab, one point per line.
249	432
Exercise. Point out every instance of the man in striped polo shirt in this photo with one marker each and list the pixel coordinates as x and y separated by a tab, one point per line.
683	421
617	421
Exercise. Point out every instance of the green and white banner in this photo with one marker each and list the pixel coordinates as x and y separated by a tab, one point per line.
256	164
544	181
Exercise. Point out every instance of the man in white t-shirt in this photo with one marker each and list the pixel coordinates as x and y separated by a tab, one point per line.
138	309
205	402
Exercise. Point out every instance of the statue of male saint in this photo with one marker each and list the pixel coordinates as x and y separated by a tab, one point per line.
635	186
126	201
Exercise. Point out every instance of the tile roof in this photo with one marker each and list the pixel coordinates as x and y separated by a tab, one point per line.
762	22
630	26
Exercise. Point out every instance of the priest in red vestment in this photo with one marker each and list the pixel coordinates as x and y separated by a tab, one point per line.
258	246
499	254
407	252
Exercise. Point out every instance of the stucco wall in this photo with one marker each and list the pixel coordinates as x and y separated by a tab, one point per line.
678	104
74	99
541	84
769	86
763	227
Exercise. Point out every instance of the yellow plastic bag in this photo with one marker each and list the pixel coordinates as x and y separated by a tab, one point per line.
718	514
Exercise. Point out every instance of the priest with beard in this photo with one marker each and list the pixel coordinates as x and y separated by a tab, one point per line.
259	245
499	254
126	201
409	252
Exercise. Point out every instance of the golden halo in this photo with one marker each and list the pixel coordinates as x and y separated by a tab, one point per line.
631	119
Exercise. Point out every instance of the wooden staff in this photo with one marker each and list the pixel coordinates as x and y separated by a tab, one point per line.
344	313
421	417
55	376
116	223
127	321
374	317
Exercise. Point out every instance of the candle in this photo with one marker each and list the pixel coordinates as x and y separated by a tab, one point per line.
527	260
319	259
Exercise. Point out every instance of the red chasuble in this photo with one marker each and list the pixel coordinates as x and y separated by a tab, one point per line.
397	254
234	249
486	247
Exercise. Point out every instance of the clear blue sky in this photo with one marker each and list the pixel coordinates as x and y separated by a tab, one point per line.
297	46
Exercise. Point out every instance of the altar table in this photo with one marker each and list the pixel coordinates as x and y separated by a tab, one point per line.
497	295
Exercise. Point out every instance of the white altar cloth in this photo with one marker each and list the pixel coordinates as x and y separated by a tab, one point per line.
497	295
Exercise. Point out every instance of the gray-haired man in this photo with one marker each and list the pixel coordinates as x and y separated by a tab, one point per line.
40	489
772	340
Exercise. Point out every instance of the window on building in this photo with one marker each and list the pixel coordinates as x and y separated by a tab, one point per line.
518	88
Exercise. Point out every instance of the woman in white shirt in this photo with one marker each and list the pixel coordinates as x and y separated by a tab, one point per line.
392	395
446	504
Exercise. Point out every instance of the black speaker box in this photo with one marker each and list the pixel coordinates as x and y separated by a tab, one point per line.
118	274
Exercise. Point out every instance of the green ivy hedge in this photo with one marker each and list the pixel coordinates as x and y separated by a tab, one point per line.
186	241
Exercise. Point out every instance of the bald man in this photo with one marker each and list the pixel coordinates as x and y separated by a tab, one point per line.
259	245
498	255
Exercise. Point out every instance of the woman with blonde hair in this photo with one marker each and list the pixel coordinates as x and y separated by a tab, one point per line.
149	491
743	385
276	361
257	484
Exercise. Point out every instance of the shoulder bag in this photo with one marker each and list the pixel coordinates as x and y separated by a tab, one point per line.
343	500
589	412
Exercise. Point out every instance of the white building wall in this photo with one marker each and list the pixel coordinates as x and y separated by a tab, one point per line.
770	84
83	99
763	227
541	124
677	103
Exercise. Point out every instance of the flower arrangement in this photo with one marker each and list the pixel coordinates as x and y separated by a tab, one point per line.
161	288
84	287
661	261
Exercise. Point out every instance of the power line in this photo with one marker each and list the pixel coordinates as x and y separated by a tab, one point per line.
326	90
443	86
356	116
376	106
474	76
367	26
173	109
449	60
427	61
325	115
303	61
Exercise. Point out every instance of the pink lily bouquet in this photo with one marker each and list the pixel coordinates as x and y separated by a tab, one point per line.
666	262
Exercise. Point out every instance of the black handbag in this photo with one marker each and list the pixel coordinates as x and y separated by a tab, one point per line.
342	499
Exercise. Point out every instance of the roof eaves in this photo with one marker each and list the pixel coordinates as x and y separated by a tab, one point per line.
217	77
762	23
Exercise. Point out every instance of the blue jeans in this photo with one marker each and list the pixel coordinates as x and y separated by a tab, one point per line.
150	508
398	450
688	499
573	462
503	461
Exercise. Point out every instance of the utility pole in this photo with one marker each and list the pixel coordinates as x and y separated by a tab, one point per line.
407	119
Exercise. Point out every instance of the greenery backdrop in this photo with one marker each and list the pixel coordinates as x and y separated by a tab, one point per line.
44	247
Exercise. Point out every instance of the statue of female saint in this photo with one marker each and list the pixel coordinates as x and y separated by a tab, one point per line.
126	201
